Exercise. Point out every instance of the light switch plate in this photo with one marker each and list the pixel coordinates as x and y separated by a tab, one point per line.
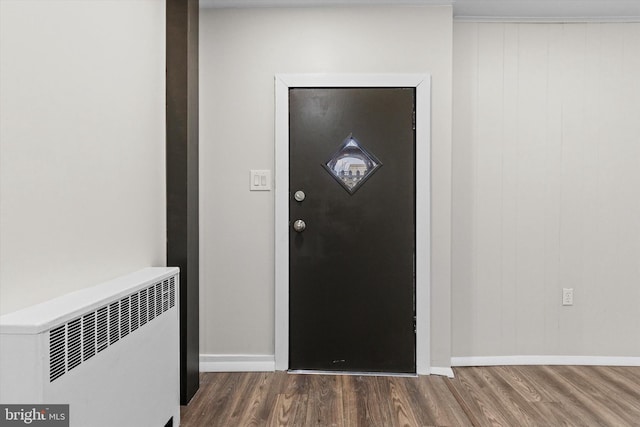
260	180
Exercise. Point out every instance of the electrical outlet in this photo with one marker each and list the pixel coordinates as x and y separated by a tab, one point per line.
567	296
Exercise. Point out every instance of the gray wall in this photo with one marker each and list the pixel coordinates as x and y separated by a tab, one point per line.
546	178
240	52
82	136
546	164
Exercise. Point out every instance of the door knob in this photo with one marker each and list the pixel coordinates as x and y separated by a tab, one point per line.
299	225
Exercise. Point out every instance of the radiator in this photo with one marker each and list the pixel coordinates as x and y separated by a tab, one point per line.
110	351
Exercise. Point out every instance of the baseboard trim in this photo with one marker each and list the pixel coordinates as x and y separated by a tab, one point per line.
442	371
545	360
265	363
237	363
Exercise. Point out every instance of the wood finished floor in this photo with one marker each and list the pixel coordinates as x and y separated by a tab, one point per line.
515	396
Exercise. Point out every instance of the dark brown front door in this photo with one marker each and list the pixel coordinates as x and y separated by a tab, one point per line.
352	184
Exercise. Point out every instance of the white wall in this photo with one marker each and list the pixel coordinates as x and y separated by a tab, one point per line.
240	51
81	144
546	189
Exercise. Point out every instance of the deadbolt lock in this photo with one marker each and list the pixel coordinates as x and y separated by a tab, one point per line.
299	196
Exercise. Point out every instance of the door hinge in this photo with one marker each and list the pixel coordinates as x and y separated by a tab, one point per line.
415	325
413	120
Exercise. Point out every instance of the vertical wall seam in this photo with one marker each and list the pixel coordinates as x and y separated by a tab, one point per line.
502	215
474	153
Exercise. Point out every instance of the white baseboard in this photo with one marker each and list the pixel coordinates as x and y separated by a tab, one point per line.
237	363
442	371
545	360
264	363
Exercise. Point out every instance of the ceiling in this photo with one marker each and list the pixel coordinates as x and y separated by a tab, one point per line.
481	10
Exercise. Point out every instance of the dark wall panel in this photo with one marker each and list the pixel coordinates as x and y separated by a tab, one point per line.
182	179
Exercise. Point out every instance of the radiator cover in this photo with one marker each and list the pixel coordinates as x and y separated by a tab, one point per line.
110	351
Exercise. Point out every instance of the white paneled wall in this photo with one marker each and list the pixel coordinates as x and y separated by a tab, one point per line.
546	189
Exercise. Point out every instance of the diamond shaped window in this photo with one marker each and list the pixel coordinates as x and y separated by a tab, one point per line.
351	165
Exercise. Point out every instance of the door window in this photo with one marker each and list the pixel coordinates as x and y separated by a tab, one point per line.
351	165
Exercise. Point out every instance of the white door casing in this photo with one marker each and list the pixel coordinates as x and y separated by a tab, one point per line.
422	85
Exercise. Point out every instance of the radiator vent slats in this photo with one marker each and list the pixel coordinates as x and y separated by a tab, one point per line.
172	292
151	293
103	329
165	296
124	317
158	299
88	335
57	352
114	328
74	341
135	311
82	338
143	307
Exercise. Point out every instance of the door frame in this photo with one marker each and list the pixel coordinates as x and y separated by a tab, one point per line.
422	85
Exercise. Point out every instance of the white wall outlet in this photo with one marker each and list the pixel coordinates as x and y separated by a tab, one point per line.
567	296
260	180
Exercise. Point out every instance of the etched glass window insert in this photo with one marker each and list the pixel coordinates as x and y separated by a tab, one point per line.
351	165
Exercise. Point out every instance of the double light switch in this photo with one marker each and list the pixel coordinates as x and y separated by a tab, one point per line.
260	180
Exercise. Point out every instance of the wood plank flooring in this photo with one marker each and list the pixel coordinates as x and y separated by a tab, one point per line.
516	396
